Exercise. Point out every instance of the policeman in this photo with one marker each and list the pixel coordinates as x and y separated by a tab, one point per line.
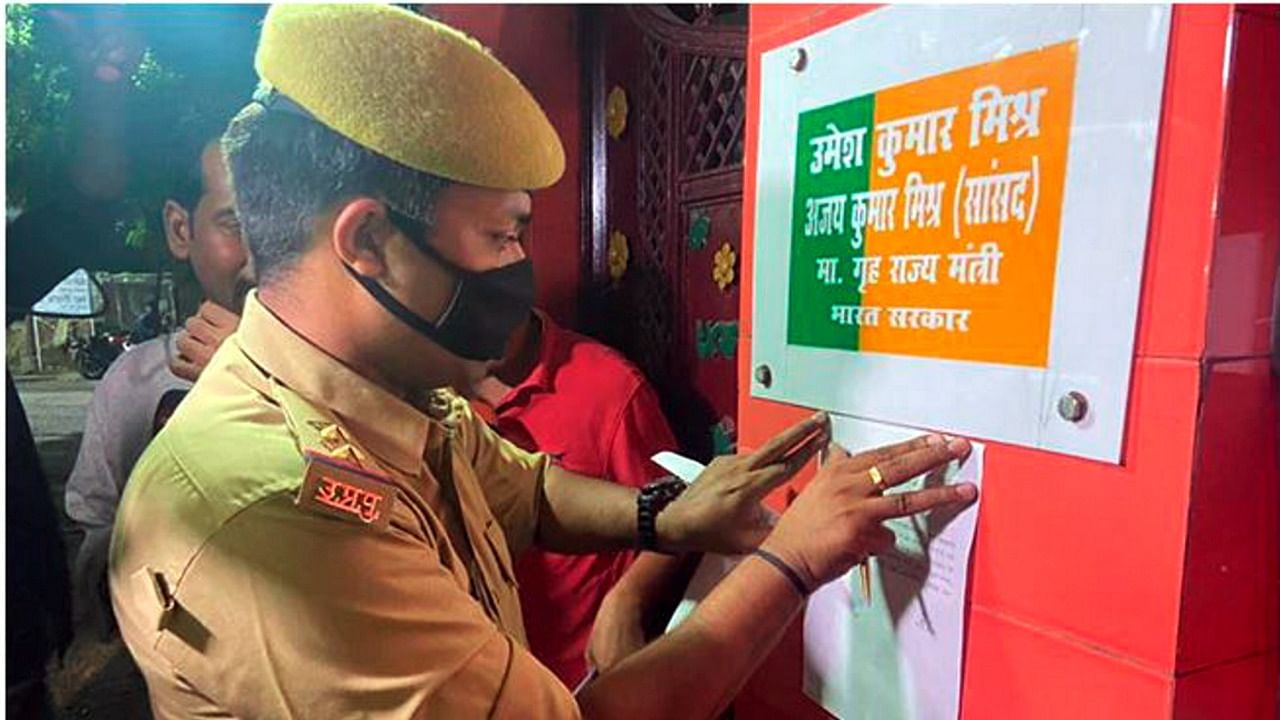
323	529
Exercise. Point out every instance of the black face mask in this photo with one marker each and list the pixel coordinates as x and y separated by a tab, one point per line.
484	311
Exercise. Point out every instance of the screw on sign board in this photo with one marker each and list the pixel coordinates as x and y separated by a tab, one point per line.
1144	589
950	237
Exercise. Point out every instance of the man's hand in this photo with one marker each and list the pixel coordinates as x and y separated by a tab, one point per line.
639	607
834	523
721	512
197	342
618	631
837	521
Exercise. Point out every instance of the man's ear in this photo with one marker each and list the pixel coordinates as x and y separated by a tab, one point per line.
359	236
177	230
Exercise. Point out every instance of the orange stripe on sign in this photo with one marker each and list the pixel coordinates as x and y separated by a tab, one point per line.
970	247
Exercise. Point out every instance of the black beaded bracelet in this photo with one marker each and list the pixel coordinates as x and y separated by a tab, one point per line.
783	568
651	500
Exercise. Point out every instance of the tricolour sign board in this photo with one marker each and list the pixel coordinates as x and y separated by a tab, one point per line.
951	217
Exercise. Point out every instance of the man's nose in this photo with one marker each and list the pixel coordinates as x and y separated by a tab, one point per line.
247	270
514	253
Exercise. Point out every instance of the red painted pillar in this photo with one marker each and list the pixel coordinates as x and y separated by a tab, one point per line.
1147	589
1226	662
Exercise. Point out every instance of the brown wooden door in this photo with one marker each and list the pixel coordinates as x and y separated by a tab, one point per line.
671	183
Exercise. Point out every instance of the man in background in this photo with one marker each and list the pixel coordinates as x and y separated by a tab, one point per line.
144	384
582	403
324	528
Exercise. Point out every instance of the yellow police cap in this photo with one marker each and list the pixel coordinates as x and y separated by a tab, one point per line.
411	89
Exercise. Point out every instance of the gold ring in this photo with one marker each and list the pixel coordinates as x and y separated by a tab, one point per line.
876	478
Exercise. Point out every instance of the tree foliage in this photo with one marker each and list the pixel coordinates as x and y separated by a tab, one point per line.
194	70
37	98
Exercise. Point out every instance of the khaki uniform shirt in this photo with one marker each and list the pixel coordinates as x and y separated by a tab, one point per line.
243	591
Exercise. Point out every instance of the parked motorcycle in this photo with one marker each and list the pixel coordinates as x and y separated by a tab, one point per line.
92	356
80	296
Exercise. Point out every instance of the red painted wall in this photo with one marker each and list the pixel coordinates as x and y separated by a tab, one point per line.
1147	589
1227	662
539	43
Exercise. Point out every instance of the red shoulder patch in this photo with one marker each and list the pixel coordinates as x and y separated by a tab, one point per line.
339	489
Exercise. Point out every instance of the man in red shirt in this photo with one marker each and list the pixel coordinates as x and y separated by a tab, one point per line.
584	404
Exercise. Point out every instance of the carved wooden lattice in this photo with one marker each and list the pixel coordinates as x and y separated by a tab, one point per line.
686	77
708	91
713	90
654	261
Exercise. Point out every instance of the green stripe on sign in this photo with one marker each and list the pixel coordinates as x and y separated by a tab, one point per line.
833	159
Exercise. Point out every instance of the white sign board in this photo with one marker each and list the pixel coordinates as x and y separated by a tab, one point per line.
76	296
951	216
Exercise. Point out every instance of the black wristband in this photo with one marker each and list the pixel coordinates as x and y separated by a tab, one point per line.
783	568
653	499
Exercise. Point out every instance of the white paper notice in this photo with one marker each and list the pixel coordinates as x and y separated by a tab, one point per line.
898	657
713	567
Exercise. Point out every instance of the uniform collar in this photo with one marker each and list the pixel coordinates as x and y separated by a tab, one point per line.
381	422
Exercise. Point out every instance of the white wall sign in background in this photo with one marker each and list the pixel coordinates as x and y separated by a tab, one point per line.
77	295
951	216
